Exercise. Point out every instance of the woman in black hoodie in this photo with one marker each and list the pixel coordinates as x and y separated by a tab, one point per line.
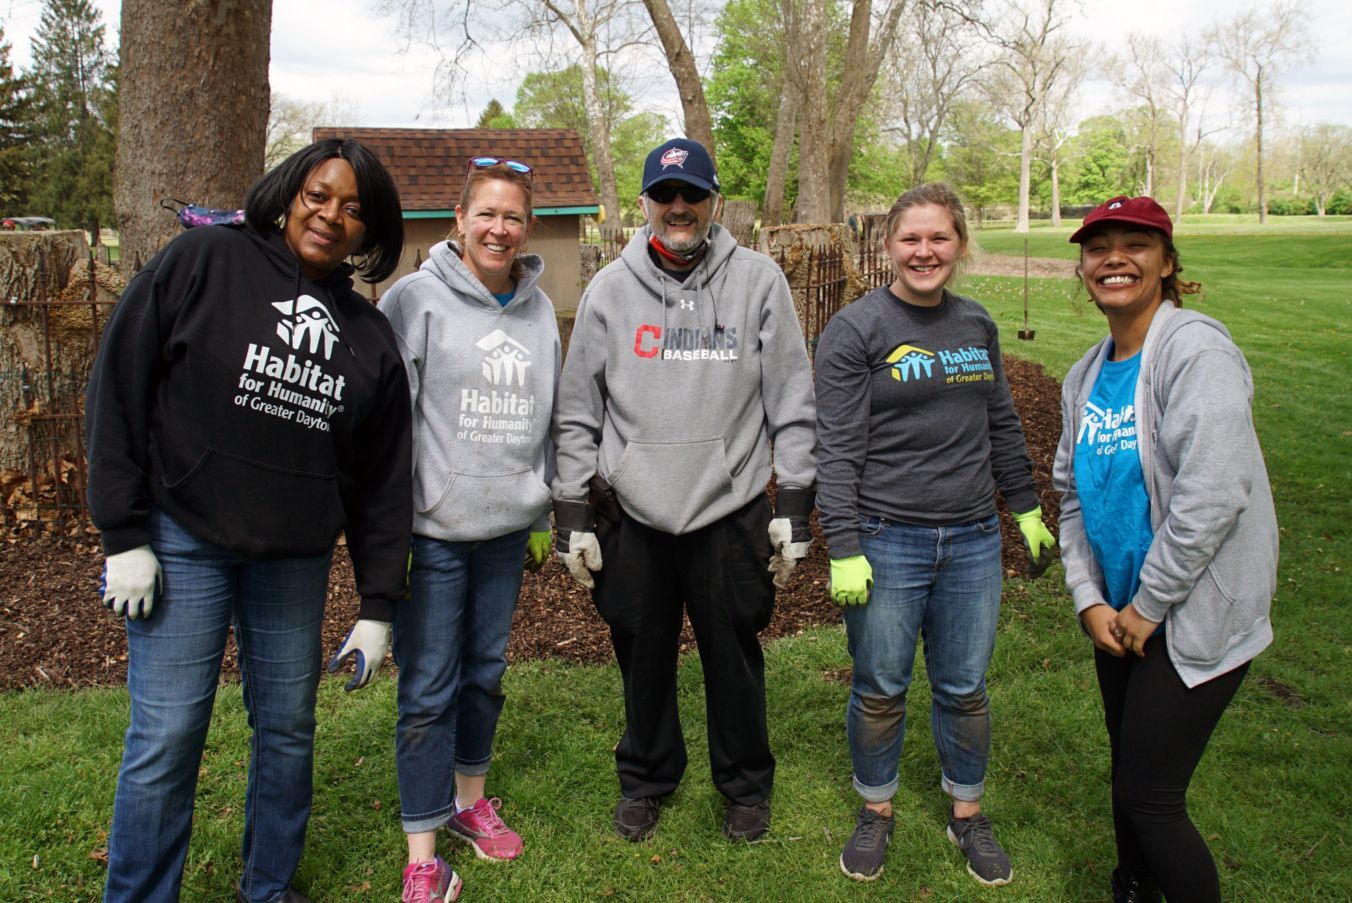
246	406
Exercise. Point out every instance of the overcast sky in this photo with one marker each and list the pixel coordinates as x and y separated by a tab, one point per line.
343	51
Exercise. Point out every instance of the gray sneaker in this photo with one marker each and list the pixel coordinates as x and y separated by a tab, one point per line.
986	859
862	858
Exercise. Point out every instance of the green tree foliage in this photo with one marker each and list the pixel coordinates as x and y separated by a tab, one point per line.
75	92
495	117
1104	167
16	112
743	97
981	157
554	100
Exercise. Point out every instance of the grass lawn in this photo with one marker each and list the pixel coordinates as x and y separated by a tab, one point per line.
1271	796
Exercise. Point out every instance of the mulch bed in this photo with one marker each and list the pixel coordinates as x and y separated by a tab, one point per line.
54	633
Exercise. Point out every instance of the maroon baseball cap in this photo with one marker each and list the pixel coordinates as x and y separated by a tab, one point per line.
1137	211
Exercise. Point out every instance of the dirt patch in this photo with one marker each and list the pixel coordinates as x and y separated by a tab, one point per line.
982	264
54	633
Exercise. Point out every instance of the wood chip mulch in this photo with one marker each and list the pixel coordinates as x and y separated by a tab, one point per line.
54	633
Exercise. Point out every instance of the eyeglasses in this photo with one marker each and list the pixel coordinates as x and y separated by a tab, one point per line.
513	165
666	193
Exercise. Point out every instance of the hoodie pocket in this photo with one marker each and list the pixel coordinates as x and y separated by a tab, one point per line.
482	506
259	510
670	485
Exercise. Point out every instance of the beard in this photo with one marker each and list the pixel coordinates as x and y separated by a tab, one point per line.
682	245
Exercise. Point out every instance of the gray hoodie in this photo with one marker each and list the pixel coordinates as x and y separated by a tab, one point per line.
483	379
1211	570
675	392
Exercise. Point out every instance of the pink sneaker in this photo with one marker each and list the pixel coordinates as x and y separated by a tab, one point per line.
430	882
480	825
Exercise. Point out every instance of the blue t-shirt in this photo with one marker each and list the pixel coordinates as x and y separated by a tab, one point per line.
505	298
1108	476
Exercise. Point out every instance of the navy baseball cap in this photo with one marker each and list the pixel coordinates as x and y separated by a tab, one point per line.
680	160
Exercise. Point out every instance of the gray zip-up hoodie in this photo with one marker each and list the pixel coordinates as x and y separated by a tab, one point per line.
1211	569
674	392
483	379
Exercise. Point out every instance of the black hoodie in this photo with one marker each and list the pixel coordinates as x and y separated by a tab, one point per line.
262	410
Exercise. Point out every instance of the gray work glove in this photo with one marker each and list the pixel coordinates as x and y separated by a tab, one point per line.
790	532
131	582
368	641
577	547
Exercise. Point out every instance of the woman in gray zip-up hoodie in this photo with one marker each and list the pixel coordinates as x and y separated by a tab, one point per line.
481	346
1168	536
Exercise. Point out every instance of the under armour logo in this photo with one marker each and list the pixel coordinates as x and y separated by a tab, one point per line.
307	317
687	304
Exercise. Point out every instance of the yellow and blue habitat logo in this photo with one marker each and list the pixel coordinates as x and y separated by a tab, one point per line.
909	362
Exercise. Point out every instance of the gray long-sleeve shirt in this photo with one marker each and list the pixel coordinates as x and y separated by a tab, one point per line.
915	422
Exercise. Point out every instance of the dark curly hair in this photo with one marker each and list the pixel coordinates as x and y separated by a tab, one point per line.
270	197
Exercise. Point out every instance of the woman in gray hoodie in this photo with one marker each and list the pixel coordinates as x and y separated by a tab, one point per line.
1168	536
481	346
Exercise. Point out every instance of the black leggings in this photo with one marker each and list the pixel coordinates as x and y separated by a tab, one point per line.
1159	729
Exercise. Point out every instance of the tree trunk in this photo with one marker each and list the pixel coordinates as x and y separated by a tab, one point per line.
193	112
1056	192
600	129
1025	178
814	176
1258	135
739	218
786	125
681	62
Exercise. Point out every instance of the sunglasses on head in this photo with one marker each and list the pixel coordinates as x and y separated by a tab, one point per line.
513	165
666	193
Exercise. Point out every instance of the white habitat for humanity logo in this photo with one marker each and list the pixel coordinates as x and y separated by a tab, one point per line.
505	363
307	317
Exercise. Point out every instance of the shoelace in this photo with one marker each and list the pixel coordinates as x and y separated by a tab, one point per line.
424	882
489	820
871	830
976	831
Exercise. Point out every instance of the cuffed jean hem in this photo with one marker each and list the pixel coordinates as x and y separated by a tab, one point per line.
473	769
876	794
963	793
421	824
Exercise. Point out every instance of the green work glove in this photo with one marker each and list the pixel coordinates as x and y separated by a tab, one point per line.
851	579
1038	539
537	549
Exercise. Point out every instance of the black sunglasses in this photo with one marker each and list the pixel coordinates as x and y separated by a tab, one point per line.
513	165
666	193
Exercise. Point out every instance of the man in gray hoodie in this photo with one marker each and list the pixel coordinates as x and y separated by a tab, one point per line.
686	366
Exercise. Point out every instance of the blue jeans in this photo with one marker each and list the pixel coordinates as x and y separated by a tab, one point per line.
944	583
450	643
173	667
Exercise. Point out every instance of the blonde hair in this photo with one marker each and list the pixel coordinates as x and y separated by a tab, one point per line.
939	195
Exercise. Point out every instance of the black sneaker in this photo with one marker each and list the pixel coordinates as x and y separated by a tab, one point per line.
1133	889
636	819
986	859
862	858
746	822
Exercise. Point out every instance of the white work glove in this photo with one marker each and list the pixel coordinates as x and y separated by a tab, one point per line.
131	582
368	641
790	532
581	555
576	546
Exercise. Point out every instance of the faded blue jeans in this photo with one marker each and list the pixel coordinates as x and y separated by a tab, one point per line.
942	583
173	667
450	643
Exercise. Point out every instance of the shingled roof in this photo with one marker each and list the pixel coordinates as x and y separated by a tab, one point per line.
428	165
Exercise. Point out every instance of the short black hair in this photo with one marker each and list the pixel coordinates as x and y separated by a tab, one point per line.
270	198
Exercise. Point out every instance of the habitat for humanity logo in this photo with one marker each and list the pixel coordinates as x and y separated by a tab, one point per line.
306	318
505	360
909	362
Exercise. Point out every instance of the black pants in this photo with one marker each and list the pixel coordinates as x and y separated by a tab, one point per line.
1159	729
718	575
